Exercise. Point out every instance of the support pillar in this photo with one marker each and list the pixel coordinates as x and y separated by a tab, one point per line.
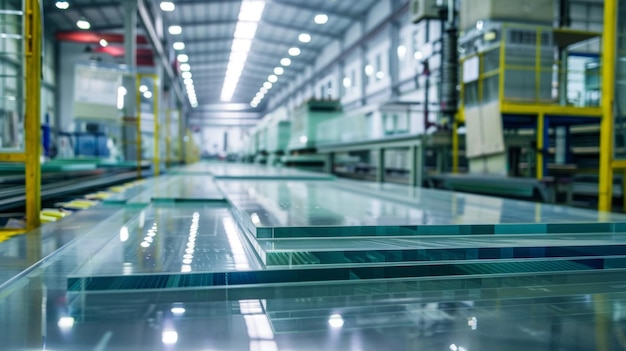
132	135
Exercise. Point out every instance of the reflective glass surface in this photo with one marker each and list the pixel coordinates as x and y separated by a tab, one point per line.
248	171
179	188
195	275
302	209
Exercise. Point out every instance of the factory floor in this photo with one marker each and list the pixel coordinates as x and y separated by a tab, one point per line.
241	257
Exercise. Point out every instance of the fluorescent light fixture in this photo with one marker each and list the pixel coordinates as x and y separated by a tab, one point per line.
121	93
272	78
147	94
245	30
62	5
305	38
369	70
418	55
179	45
264	90
83	24
401	52
267	85
250	14
66	322
143	88
321	18
278	71
259	95
169	337
182	58
253	105
380	75
335	321
294	51
175	30
251	11
104	43
167	6
188	81
285	61
145	244
185	67
178	310
347	82
186	75
241	45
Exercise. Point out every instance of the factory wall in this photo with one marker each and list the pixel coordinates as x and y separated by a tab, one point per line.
372	72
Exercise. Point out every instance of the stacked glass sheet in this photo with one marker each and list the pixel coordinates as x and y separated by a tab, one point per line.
307	264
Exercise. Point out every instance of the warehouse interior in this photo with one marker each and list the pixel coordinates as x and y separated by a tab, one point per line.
282	175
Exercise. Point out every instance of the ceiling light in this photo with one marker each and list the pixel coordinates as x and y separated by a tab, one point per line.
278	71
147	95
104	43
369	70
335	321
169	337
62	5
294	51
264	90
178	310
418	55
304	37
66	322
182	58
251	11
253	105
167	6
272	78
143	88
175	30
241	45
380	75
401	52
267	85
188	81
179	45
321	19
185	67
245	30
285	61
83	24
347	82
186	75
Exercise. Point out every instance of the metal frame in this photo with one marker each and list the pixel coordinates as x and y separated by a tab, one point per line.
540	109
32	121
155	107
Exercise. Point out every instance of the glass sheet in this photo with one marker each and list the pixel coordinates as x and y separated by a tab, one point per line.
180	188
249	171
519	305
290	252
308	209
172	239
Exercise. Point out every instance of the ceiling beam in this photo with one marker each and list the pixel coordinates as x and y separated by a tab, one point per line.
257	39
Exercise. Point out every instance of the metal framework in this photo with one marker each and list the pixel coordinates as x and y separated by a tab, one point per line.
32	119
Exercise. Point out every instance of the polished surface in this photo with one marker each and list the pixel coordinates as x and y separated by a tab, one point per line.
192	275
301	209
179	188
248	171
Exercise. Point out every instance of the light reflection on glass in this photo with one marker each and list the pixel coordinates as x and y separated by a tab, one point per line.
239	254
66	323
124	233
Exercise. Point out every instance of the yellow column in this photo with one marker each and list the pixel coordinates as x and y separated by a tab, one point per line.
156	159
138	125
32	119
168	138
455	146
605	187
539	152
